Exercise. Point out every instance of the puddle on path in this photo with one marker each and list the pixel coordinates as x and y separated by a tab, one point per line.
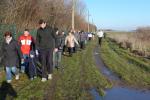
117	92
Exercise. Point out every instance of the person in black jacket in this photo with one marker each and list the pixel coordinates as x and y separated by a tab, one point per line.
45	41
10	55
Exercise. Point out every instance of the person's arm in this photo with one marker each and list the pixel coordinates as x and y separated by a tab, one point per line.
37	43
62	42
33	46
66	39
75	40
37	39
2	52
53	32
18	50
57	42
55	37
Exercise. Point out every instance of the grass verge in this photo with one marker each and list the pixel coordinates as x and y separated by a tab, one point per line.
133	70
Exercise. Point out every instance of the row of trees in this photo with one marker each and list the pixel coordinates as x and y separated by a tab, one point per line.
26	13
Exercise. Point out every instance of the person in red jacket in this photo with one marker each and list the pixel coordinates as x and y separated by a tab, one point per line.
27	44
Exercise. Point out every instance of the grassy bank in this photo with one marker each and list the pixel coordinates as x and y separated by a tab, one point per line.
80	75
133	70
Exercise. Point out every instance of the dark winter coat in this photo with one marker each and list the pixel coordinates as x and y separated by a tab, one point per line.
10	53
59	42
45	38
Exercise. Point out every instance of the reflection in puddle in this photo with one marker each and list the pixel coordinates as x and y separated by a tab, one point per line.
120	93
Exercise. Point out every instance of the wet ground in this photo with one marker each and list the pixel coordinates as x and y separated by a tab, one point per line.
119	91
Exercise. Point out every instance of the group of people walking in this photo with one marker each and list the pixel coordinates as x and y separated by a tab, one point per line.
22	55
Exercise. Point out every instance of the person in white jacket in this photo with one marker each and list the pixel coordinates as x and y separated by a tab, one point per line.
100	35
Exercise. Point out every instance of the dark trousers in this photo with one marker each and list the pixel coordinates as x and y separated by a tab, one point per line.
64	48
70	50
90	38
100	40
32	67
82	44
46	58
74	49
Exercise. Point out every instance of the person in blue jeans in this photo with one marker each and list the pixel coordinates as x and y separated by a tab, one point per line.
59	44
10	55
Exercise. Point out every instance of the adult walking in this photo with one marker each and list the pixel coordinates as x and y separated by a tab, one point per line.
59	43
100	35
83	38
10	55
70	42
45	41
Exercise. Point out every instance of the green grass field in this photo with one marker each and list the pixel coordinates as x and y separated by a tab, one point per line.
131	69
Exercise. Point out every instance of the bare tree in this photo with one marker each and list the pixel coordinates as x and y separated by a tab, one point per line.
26	13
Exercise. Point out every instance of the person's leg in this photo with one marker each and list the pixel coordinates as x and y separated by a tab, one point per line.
81	44
74	49
84	42
31	68
24	64
43	63
54	59
59	58
70	51
49	61
99	40
8	74
15	71
90	38
64	49
34	68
